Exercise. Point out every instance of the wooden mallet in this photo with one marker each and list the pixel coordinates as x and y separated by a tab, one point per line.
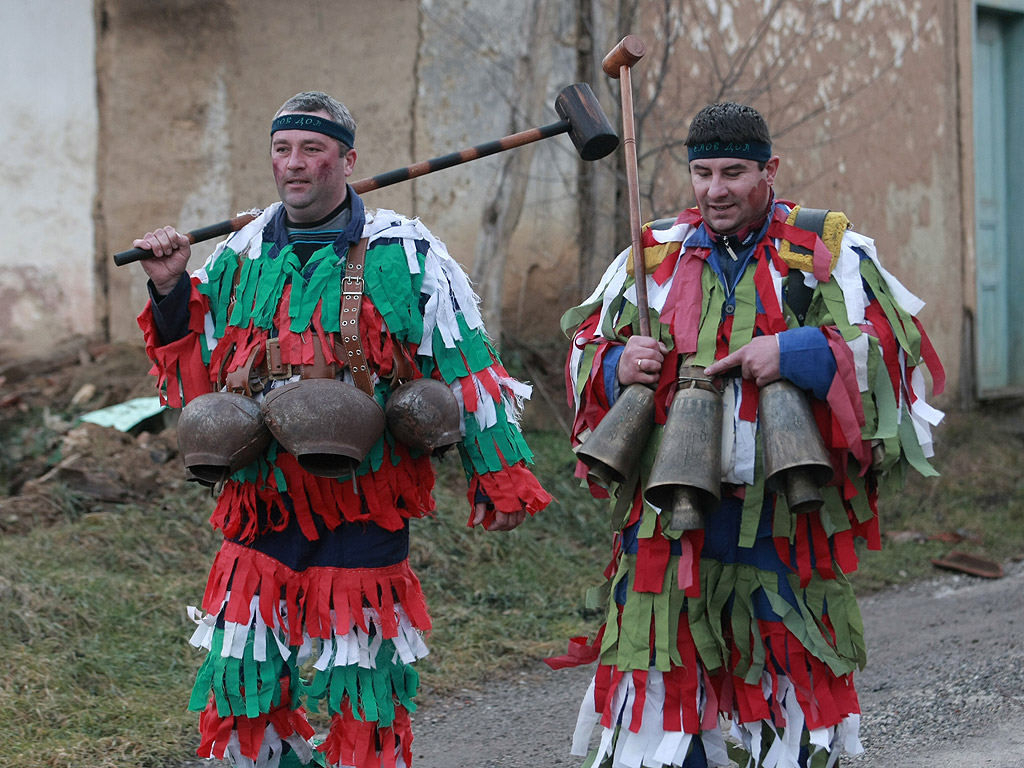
582	118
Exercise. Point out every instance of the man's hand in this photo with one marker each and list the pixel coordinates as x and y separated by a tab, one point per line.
500	521
640	362
171	251
758	360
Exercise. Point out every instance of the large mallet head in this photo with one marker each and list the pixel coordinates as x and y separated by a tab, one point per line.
627	53
587	126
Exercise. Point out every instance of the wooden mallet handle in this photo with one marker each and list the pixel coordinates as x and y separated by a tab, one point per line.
627	53
617	64
582	118
195	236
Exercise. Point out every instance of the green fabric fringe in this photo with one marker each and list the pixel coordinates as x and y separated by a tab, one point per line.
242	687
627	642
372	693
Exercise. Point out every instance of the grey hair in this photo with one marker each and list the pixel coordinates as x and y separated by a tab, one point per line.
318	101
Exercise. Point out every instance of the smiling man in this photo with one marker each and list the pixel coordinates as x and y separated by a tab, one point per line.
314	566
746	614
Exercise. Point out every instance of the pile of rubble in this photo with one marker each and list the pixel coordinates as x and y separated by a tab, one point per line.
52	464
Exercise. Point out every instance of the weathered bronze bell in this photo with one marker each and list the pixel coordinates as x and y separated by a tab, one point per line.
328	425
613	449
424	414
687	472
218	434
688	510
796	463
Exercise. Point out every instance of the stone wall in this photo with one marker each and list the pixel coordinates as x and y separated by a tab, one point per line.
130	114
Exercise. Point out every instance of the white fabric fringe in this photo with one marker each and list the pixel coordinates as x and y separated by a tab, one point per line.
355	646
653	747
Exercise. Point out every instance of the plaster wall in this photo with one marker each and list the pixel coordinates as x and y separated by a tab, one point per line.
48	167
193	149
864	102
868	117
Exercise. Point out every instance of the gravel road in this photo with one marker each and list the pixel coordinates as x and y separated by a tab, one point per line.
944	688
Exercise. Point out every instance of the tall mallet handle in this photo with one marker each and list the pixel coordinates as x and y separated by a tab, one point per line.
195	236
617	64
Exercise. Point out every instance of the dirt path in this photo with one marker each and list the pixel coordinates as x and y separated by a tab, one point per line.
944	688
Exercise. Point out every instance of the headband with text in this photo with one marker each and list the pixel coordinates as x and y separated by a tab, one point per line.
313	123
745	150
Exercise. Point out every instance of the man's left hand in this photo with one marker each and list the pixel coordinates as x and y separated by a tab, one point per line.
502	521
758	360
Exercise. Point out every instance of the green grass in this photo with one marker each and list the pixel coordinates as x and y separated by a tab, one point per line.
979	495
503	599
95	667
94	660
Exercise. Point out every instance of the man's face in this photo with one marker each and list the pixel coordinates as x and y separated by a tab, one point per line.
732	193
310	172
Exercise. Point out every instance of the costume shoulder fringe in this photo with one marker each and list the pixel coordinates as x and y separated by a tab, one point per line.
247	240
444	278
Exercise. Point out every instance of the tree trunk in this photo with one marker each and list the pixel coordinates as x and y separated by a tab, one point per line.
504	204
597	234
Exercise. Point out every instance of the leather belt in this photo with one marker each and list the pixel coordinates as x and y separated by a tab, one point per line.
351	303
249	379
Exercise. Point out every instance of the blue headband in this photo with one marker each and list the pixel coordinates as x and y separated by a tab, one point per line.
316	124
744	150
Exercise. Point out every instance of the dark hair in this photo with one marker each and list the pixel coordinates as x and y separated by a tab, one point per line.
728	122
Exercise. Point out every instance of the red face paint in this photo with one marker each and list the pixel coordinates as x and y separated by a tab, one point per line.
731	193
310	173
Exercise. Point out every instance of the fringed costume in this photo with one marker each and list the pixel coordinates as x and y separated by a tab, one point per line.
752	619
315	568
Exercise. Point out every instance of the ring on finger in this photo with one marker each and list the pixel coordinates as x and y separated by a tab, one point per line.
638	361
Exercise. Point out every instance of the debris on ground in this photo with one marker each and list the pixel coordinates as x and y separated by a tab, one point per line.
965	562
53	465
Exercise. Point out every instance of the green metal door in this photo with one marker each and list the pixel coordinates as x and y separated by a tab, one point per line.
990	205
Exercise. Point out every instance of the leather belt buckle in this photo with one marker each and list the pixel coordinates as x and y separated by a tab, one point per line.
276	369
352	285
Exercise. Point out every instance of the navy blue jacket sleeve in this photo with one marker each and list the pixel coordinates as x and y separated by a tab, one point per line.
806	360
170	312
610	371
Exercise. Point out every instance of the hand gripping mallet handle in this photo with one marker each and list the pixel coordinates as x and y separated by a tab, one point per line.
617	64
195	236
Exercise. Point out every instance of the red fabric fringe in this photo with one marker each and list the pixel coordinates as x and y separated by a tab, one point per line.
580	652
373	497
685	300
215	731
510	490
355	742
239	573
179	367
824	697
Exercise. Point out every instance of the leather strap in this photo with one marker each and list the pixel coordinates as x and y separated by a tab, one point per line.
402	369
798	294
319	368
351	303
242	380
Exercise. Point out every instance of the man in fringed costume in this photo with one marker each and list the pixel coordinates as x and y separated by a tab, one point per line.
748	620
315	568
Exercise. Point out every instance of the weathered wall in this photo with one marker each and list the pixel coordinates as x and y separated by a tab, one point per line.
48	167
863	101
420	83
193	149
865	96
